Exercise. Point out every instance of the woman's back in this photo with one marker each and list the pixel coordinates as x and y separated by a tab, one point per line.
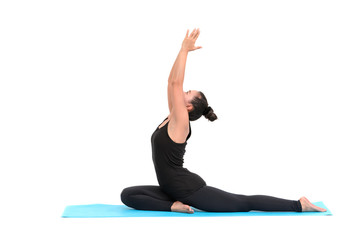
168	159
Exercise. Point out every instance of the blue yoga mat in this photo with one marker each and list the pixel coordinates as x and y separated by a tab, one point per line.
105	210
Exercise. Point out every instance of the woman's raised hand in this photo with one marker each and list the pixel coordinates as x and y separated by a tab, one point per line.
189	41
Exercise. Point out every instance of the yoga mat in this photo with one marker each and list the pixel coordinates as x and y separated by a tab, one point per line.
105	210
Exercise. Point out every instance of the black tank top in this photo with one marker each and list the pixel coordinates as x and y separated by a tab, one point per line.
174	180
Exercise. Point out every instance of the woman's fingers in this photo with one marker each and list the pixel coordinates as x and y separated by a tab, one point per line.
197	34
194	34
187	34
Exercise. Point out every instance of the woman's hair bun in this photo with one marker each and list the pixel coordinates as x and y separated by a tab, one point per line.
209	114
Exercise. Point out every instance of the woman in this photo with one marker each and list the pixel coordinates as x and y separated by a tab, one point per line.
179	188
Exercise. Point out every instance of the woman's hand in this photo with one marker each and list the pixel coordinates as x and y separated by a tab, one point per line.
188	43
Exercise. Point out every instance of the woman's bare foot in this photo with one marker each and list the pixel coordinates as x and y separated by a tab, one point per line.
307	206
180	207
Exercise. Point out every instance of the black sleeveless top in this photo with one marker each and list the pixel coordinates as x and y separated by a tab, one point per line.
174	180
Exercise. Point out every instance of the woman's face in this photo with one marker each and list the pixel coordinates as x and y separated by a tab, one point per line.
189	96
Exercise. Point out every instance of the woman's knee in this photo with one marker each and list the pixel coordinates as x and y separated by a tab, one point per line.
126	194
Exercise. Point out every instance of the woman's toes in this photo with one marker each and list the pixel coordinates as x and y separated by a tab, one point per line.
191	210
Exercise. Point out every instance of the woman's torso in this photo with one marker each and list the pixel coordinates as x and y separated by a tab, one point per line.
168	152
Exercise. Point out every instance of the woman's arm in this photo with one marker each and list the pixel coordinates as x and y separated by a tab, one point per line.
178	70
177	74
182	56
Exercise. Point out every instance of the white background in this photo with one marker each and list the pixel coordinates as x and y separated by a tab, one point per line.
84	85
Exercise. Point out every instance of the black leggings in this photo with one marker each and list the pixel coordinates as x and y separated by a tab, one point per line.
207	198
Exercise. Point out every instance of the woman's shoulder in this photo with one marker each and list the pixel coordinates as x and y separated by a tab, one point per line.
178	131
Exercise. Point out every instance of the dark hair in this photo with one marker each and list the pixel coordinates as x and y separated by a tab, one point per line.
200	106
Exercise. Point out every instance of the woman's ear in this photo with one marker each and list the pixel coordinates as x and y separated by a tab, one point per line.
189	107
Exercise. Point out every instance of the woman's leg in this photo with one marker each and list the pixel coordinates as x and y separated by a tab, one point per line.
215	200
146	198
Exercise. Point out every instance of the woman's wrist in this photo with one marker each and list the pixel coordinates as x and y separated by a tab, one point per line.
182	49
